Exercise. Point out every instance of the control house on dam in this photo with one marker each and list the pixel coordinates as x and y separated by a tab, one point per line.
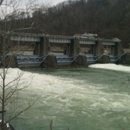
54	51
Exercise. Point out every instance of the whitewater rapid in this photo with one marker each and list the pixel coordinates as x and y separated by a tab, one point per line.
39	80
110	66
75	99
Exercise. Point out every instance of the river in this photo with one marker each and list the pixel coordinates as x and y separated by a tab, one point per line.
93	98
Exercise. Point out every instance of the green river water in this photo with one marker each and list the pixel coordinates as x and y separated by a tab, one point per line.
93	98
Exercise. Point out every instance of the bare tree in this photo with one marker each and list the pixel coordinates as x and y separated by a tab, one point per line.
1	2
10	88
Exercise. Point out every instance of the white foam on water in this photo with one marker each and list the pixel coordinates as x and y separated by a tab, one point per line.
66	90
111	67
15	78
70	96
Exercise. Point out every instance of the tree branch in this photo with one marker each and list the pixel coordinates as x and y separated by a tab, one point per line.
20	112
1	1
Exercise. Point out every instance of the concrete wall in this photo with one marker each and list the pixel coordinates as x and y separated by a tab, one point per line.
113	49
49	62
1	41
126	50
36	50
74	47
80	61
67	49
118	49
98	48
4	45
43	47
127	58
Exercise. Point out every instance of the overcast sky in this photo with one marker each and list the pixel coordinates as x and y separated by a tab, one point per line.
51	2
4	10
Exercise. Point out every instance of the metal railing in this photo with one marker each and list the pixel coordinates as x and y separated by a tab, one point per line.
115	58
91	58
24	61
35	60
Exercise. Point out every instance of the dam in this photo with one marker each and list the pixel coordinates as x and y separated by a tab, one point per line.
53	51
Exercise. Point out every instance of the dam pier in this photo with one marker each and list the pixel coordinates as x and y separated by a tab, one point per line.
53	51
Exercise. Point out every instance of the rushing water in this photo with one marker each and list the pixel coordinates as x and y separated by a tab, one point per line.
93	98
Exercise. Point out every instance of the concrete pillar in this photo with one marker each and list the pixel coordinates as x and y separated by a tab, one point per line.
127	58
74	47
37	49
93	50
10	61
113	50
118	49
45	46
99	48
1	44
5	45
49	62
100	51
80	61
67	49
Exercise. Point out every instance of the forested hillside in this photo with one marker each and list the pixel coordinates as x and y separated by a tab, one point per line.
107	18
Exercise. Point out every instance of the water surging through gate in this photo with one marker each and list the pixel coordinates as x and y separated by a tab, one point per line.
78	99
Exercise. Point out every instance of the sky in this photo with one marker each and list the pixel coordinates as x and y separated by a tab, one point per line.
22	4
51	2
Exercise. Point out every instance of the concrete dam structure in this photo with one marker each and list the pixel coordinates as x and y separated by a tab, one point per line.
54	51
